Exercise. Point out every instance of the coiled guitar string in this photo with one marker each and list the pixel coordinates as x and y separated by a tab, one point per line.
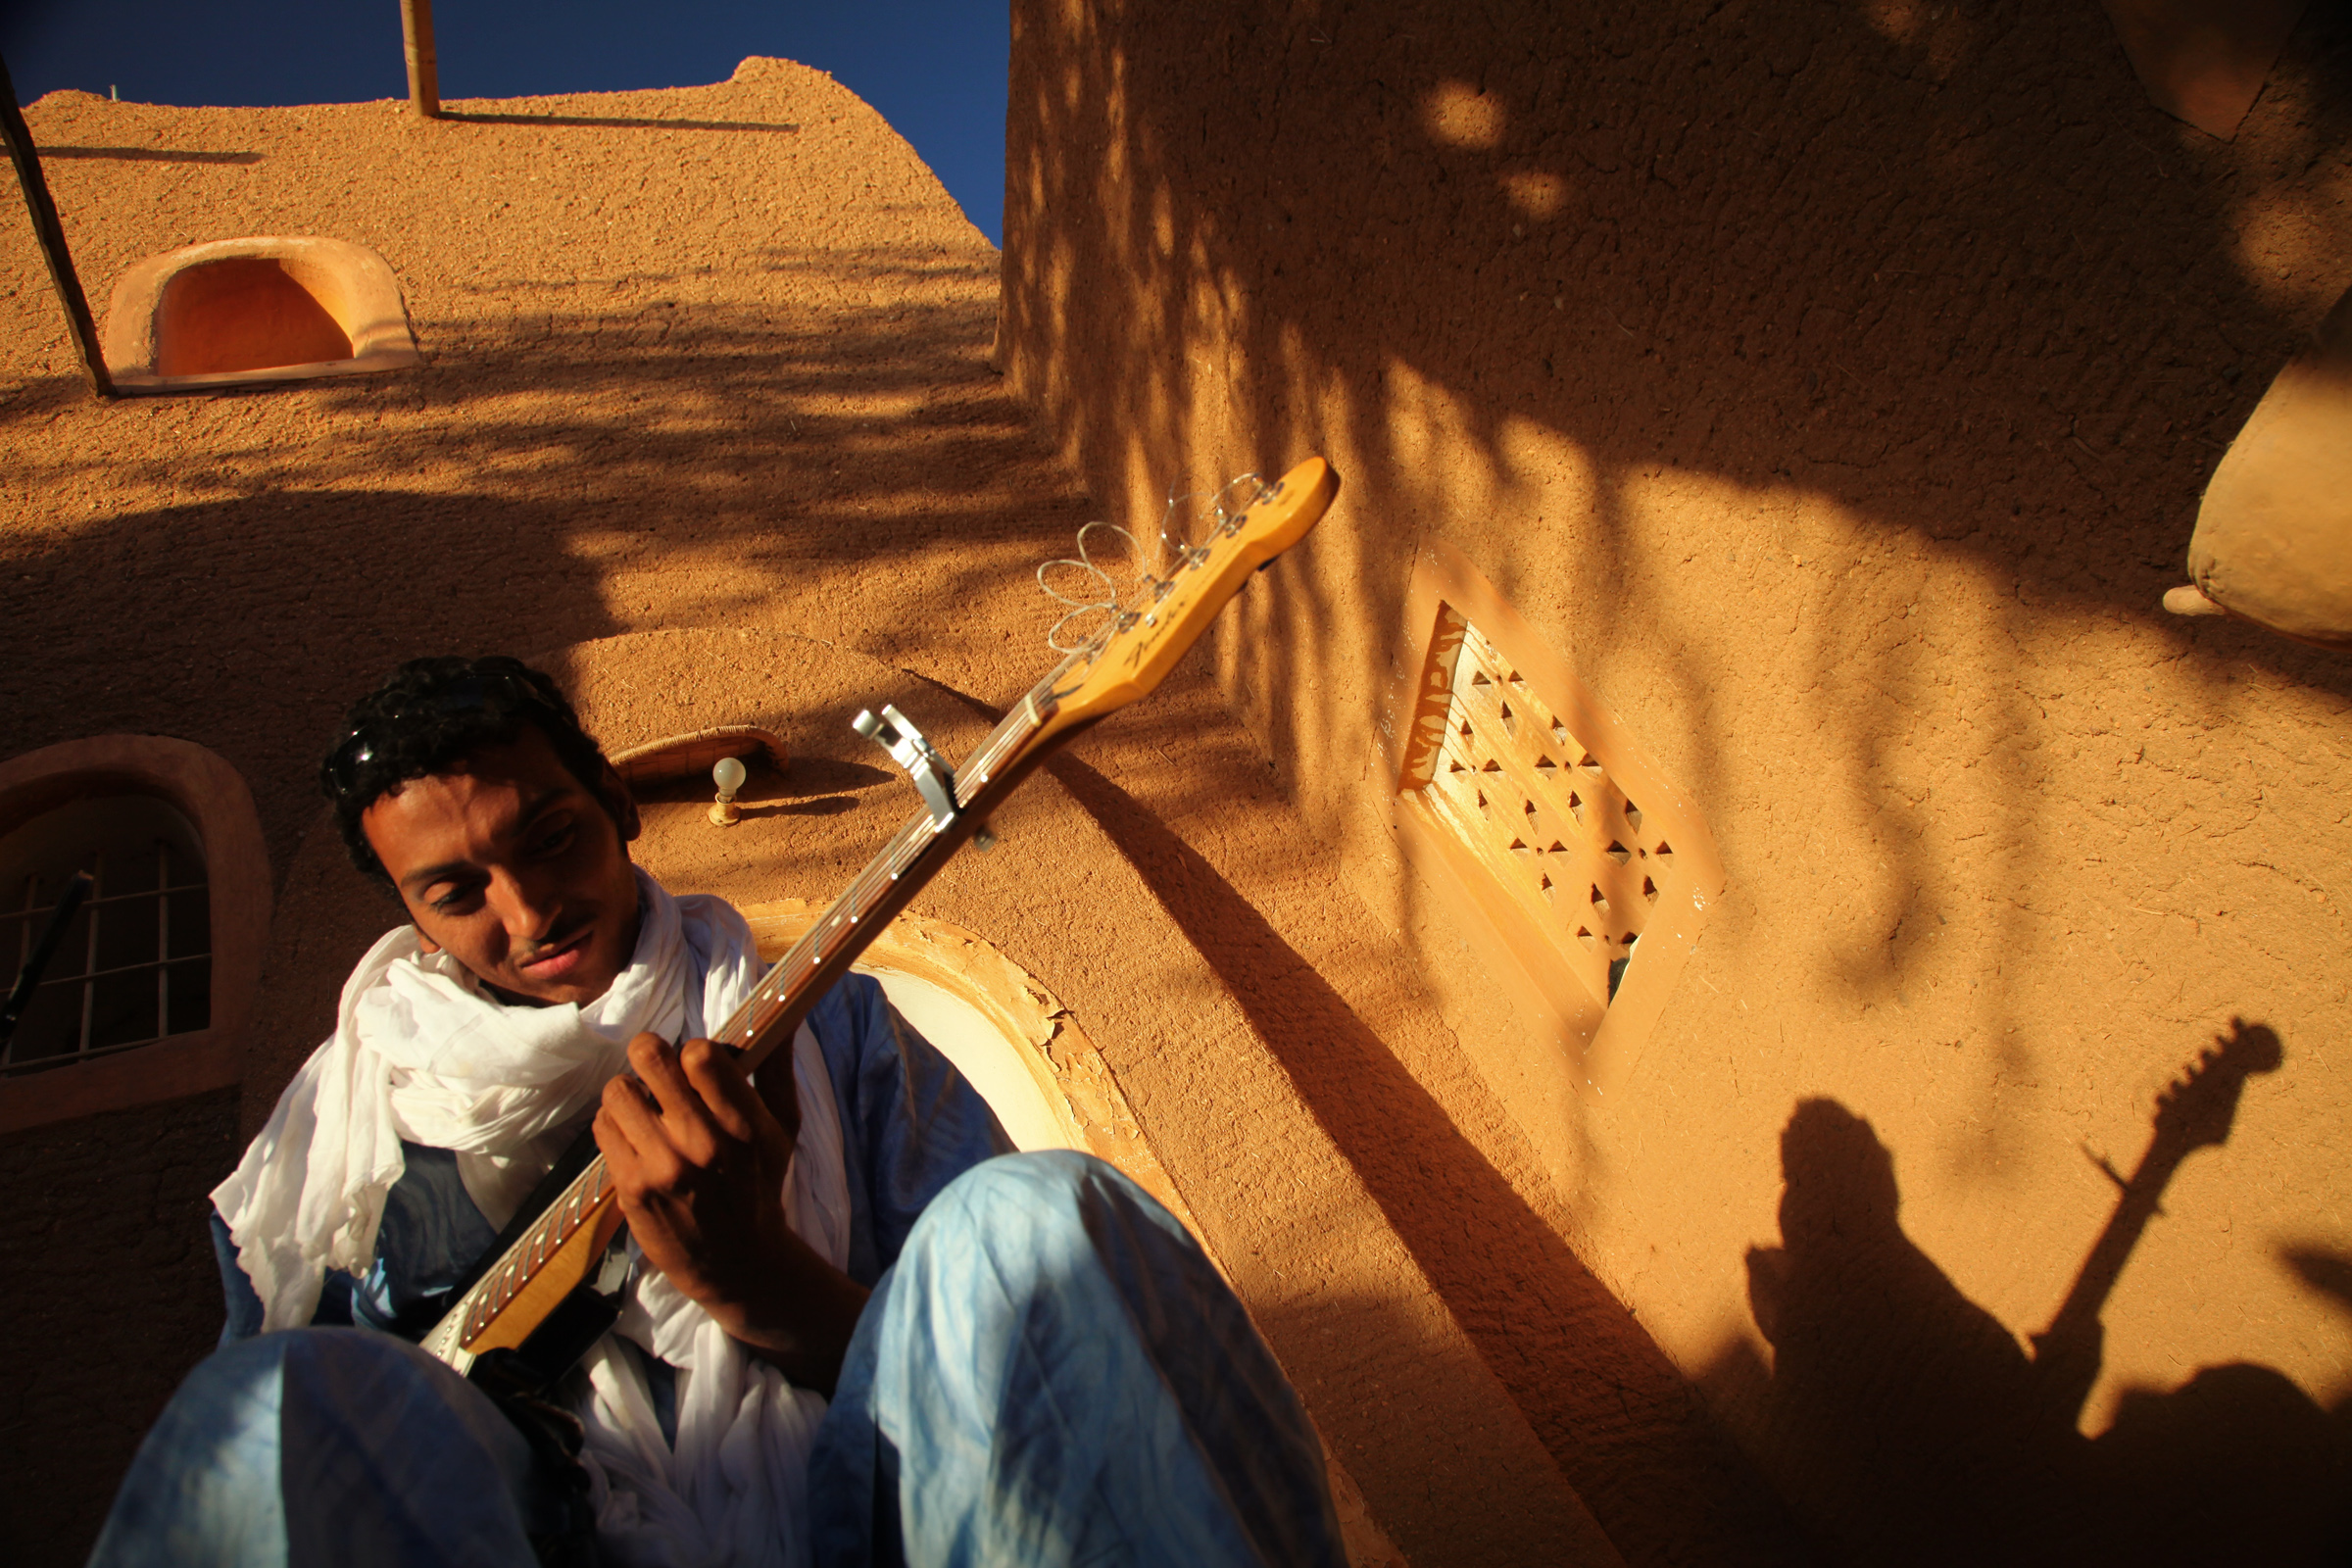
1103	596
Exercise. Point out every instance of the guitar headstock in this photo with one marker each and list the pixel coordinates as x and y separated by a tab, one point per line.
2196	1110
1143	642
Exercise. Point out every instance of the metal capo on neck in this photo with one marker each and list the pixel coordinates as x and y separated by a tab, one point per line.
895	734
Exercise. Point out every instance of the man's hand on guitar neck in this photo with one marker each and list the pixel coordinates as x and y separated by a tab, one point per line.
698	1163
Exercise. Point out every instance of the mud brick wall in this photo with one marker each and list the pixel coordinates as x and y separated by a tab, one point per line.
1833	386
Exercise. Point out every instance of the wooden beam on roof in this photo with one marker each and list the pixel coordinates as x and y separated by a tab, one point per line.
425	67
52	235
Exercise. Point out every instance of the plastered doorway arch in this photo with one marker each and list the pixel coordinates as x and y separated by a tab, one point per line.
1009	1036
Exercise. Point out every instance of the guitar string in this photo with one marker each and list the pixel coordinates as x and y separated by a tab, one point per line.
1108	605
1149	579
1215	506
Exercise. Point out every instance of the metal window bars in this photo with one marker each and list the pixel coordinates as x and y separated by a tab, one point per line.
97	1008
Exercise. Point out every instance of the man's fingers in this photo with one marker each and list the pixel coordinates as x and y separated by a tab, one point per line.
625	1112
615	1143
636	1149
734	1106
780	1096
685	1118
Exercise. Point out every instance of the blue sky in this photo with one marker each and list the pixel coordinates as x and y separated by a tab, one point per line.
933	67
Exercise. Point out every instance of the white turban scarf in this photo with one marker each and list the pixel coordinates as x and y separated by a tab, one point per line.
421	1052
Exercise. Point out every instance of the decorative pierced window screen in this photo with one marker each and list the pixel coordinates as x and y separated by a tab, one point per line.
136	965
1540	811
1571	864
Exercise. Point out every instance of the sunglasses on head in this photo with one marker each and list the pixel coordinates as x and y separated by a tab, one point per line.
467	695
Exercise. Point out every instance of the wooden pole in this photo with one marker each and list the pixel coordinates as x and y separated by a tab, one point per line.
425	70
52	235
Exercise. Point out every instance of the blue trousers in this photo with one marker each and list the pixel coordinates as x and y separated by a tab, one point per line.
1051	1373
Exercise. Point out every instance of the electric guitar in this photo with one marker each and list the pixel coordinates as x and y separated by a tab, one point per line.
536	1305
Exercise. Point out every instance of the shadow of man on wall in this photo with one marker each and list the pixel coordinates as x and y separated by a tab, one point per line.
1907	1425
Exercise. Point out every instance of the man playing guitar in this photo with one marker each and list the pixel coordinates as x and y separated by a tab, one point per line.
850	1327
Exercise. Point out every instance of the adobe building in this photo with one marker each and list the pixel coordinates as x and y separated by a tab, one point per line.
1668	951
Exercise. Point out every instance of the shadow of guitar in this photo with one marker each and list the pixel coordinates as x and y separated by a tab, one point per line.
2195	1112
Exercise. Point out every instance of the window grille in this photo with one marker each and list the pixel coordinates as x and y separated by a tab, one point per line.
136	965
1566	857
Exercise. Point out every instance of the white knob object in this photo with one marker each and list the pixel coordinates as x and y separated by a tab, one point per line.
728	775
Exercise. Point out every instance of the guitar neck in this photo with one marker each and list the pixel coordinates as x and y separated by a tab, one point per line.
2135	1205
891	880
1125	659
2193	1112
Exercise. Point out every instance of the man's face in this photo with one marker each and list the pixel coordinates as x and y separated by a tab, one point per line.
515	870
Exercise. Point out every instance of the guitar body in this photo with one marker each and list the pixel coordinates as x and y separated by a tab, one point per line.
573	1264
503	1310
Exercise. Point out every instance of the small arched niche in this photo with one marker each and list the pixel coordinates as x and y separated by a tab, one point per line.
148	996
247	311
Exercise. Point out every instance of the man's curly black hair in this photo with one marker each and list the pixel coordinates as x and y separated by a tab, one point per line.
433	713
